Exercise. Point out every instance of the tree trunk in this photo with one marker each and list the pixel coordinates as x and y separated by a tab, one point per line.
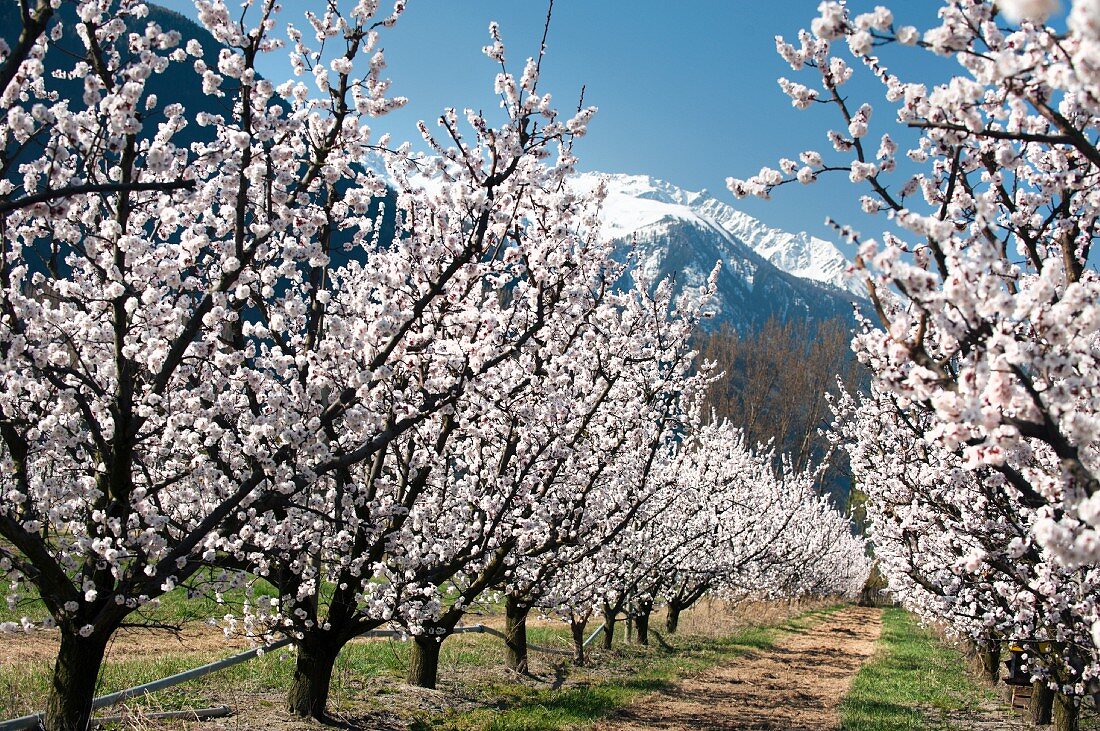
672	620
515	635
1042	698
641	624
1066	712
424	660
576	628
990	656
629	628
608	630
69	704
309	687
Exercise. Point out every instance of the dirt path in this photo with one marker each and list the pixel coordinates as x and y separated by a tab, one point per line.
798	684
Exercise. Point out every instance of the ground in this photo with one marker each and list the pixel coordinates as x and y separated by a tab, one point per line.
797	684
758	666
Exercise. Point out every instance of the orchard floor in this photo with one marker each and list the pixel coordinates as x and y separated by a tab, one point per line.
797	684
753	667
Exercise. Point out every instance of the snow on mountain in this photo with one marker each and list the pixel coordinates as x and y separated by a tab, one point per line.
764	272
637	201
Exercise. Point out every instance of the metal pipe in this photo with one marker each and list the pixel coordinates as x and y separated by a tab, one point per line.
593	636
17	724
110	700
35	719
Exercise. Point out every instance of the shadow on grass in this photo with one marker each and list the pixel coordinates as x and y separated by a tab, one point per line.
869	715
543	710
637	671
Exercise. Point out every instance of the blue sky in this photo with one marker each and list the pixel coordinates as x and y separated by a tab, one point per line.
686	89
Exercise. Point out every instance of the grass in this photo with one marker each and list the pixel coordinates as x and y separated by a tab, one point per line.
23	687
630	671
173	608
912	675
367	676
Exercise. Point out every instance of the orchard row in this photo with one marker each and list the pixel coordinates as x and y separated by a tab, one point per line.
221	365
977	445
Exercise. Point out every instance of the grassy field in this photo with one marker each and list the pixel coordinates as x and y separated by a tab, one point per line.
912	673
916	680
620	678
174	608
475	691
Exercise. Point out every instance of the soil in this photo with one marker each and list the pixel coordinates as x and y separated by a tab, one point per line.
193	638
987	716
798	684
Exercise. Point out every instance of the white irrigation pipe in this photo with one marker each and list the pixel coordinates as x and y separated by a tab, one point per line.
109	700
593	636
34	720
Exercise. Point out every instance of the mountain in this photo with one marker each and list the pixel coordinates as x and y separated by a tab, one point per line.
765	272
177	83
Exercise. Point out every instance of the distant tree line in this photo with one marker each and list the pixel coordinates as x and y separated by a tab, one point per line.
774	383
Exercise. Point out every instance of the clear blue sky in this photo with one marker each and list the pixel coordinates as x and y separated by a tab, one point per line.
686	88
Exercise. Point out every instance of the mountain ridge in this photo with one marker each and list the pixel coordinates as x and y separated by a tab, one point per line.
800	254
765	272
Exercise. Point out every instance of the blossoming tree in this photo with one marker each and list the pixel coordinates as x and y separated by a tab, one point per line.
985	298
200	341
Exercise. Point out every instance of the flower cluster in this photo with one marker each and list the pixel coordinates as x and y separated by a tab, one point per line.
233	355
987	319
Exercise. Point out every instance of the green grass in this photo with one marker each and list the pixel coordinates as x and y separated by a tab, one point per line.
23	687
369	671
912	673
174	607
626	673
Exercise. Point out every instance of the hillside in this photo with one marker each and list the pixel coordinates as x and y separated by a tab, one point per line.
766	273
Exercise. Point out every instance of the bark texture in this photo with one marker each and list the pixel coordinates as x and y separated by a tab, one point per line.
424	661
672	619
308	694
608	631
990	657
72	688
515	635
641	626
1042	700
576	629
1066	713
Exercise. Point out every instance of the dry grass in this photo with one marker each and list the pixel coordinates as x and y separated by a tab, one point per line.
368	691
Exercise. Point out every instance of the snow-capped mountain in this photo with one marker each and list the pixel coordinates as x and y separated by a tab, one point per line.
799	254
765	272
636	201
